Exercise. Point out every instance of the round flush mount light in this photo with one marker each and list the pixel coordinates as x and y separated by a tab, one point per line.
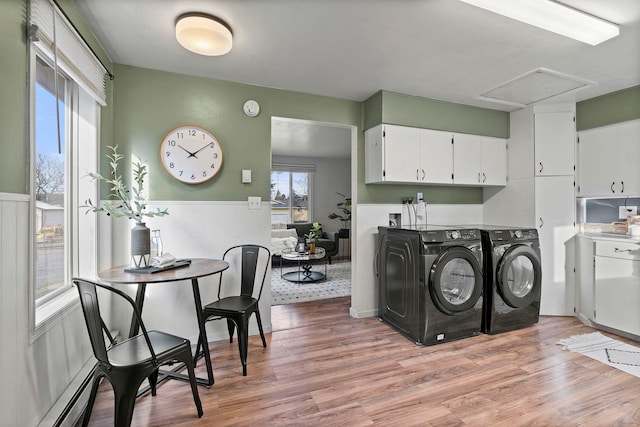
204	34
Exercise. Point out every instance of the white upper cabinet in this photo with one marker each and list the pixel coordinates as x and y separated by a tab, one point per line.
554	143
608	159
400	154
436	155
479	160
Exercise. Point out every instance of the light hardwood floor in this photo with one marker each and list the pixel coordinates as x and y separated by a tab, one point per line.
323	368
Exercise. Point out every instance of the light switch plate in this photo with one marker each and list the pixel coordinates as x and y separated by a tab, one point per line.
623	211
246	176
255	202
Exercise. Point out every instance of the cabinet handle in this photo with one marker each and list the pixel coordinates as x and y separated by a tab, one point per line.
622	183
423	174
541	222
478	176
417	174
541	167
621	250
612	184
484	177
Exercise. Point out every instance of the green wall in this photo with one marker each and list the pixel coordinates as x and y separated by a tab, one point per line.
148	104
407	110
604	110
13	97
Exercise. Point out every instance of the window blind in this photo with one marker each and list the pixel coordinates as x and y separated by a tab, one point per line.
55	35
277	167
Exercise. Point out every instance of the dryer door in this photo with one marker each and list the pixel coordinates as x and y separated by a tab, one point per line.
519	276
455	280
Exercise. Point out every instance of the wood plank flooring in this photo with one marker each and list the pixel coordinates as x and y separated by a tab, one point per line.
323	368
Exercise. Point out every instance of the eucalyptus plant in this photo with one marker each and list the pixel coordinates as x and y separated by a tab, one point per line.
129	203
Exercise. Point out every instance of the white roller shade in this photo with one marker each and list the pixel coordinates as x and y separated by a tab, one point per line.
74	57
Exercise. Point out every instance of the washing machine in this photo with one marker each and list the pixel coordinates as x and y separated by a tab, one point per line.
430	282
512	278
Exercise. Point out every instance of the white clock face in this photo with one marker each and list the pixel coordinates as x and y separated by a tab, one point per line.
191	154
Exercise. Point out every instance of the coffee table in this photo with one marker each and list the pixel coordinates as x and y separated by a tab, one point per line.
304	273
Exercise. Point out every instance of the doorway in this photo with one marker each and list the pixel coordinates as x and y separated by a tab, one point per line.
319	156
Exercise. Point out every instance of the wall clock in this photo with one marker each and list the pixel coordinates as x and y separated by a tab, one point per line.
191	154
251	108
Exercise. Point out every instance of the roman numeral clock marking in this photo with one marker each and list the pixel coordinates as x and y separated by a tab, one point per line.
191	154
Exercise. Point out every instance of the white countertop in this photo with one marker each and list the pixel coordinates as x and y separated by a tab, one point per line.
612	236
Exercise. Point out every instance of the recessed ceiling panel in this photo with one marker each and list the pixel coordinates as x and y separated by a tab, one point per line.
534	86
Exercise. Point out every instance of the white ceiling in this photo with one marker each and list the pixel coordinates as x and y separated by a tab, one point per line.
350	49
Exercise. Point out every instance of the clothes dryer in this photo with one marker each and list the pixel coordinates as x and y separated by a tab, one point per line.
430	282
512	278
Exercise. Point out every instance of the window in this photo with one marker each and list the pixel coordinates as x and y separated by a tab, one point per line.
51	171
66	91
291	193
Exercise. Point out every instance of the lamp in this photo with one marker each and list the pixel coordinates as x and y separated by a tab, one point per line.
204	34
552	16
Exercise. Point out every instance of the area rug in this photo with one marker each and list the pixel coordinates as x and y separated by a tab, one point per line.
607	350
336	284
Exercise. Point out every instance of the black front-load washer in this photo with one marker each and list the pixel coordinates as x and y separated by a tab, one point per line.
512	278
430	282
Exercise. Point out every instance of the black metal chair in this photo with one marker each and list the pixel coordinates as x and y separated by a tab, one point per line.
127	363
238	309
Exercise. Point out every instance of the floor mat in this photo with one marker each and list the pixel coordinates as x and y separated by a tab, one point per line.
609	351
336	284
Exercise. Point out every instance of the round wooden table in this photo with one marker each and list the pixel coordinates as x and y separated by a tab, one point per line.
199	267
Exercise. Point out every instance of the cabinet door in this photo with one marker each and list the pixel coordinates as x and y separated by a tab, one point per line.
494	161
617	293
597	155
436	153
555	217
401	148
467	159
629	158
554	143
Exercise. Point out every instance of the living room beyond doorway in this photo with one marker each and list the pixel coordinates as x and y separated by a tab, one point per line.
310	182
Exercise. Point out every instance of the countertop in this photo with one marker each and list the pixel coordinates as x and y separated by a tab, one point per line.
612	236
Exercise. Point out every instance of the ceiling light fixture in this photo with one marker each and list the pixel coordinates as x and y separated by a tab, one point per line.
204	34
552	16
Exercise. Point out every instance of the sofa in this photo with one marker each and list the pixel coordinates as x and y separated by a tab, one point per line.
286	238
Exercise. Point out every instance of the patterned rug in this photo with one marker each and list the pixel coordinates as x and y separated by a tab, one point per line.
336	284
606	350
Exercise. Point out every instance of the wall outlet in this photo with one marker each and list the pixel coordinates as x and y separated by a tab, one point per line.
255	202
623	211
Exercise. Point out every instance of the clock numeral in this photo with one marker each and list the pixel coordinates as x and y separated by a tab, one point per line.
181	173
213	166
192	132
212	145
193	176
173	142
168	153
204	174
171	165
179	135
215	155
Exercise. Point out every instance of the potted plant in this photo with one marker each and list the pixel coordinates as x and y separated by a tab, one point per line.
130	203
315	233
345	215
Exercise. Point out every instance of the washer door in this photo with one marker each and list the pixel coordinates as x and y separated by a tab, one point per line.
519	276
455	280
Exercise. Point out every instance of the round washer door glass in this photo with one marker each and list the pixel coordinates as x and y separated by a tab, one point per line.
519	276
455	281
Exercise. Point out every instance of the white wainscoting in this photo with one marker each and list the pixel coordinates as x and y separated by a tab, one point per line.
364	291
193	230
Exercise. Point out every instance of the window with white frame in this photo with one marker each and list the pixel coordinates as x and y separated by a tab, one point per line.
291	193
67	89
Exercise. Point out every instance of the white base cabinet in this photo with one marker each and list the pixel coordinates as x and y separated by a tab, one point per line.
617	286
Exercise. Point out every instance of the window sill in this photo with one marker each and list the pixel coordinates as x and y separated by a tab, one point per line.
51	312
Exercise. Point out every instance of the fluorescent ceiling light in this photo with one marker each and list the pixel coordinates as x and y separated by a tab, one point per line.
204	34
552	16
